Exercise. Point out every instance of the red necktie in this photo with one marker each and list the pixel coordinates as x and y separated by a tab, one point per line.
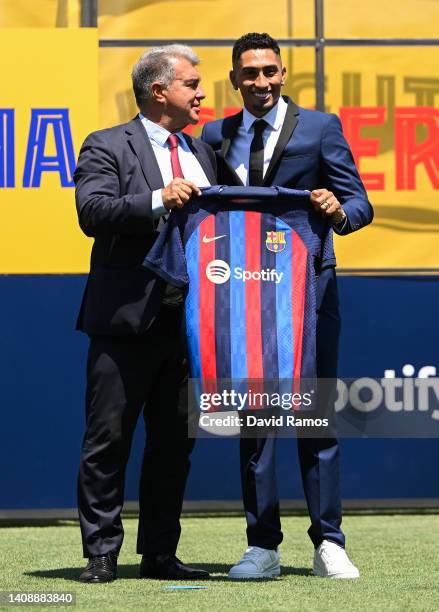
175	162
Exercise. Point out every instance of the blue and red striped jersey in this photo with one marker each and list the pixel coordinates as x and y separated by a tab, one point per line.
248	258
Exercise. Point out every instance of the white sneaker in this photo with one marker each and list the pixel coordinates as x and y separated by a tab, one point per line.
331	561
256	563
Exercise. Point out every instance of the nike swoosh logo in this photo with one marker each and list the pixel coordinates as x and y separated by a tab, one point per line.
206	239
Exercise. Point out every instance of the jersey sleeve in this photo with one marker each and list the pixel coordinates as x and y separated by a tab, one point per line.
166	258
328	259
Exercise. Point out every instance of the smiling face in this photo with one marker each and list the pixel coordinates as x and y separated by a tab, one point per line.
259	76
182	98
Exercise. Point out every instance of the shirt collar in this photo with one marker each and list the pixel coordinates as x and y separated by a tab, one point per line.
275	117
158	133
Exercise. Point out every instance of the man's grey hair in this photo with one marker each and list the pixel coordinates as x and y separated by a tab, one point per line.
157	65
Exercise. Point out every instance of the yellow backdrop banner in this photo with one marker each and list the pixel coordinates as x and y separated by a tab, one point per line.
47	109
386	98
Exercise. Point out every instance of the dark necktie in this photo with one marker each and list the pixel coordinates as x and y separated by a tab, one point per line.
256	160
175	162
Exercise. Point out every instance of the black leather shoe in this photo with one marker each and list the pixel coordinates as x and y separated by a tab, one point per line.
168	567
100	569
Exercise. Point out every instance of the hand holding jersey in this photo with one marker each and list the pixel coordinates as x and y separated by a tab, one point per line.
178	192
325	202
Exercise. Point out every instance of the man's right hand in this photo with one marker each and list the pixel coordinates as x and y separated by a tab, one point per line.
178	192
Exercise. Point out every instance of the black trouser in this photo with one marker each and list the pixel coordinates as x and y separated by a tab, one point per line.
124	376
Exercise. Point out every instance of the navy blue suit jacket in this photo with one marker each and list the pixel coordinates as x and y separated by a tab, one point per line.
116	174
311	153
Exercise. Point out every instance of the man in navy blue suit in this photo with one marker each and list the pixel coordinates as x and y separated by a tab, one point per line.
275	142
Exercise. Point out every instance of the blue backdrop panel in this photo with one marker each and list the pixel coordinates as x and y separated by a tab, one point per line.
42	363
387	323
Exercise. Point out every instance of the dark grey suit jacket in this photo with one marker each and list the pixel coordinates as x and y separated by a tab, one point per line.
116	174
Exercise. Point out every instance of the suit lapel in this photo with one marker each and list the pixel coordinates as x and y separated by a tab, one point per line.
139	142
289	125
202	158
229	129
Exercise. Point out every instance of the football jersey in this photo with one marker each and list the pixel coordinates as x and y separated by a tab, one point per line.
248	258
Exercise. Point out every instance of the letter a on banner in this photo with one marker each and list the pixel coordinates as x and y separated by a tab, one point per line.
7	148
37	161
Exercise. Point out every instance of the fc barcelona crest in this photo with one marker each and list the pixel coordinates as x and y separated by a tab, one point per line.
275	241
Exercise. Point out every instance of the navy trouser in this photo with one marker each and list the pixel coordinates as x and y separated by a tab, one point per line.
126	376
318	457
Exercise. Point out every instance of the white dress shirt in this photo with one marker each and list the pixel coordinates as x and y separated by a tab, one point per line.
190	165
239	152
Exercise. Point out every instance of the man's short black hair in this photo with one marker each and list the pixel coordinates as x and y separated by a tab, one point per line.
253	40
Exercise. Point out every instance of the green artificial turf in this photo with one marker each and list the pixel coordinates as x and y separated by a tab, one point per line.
397	556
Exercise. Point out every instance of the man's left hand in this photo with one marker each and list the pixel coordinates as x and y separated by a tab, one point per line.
326	203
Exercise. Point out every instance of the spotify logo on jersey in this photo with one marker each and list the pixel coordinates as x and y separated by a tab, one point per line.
218	271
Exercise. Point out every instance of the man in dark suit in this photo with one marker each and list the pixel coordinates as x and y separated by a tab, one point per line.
127	179
274	142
